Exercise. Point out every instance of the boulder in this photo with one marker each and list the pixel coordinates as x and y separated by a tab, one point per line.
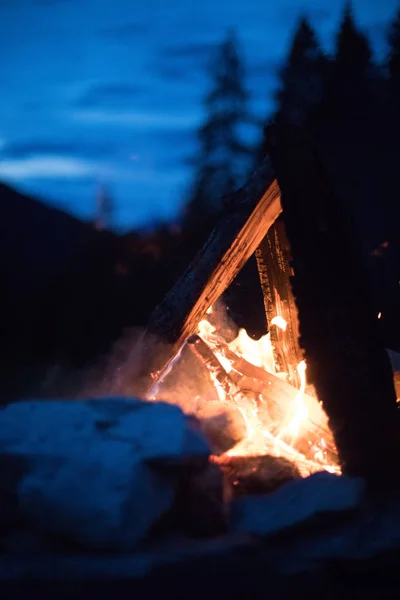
100	472
297	503
255	475
224	426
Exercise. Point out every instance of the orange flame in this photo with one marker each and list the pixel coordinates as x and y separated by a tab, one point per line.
260	438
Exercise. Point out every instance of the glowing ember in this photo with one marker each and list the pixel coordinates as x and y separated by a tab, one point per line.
262	437
292	426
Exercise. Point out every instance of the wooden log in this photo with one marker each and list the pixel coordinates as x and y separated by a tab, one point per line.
345	357
212	364
275	271
249	214
280	395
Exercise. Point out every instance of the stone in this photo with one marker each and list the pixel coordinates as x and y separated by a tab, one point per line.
200	508
224	426
297	503
254	475
92	470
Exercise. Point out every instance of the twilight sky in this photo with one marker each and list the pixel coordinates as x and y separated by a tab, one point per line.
110	91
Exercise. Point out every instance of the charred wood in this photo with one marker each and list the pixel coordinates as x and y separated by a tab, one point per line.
248	215
207	357
280	395
275	271
345	357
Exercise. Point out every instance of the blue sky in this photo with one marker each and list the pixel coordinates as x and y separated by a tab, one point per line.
110	91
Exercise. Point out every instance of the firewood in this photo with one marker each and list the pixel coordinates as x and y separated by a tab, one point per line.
280	395
249	213
346	360
211	362
275	271
248	379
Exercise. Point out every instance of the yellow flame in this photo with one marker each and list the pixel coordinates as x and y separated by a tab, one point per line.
279	322
257	352
379	315
300	410
262	436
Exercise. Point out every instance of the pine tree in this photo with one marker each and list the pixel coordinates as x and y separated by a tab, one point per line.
353	53
301	81
223	159
348	88
301	78
394	56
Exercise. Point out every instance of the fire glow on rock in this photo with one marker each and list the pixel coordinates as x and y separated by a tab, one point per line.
286	437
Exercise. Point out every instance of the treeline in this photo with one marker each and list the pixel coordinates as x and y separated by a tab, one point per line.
334	96
350	105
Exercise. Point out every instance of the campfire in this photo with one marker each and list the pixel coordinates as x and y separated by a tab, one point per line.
262	414
320	323
260	404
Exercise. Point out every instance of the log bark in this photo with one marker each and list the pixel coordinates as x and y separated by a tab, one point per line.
274	267
249	214
280	395
345	357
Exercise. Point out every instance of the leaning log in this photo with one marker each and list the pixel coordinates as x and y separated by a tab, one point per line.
275	271
248	215
207	358
280	396
345	357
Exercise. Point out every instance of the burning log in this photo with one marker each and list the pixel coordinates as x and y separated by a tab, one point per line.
207	357
346	360
279	395
248	379
275	271
249	213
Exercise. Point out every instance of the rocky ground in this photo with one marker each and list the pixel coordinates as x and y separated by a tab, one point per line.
116	496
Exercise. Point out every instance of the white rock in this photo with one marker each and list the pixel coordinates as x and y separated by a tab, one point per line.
89	465
295	503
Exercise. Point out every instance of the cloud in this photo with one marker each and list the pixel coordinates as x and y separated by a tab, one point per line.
48	167
163	120
42	147
113	95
